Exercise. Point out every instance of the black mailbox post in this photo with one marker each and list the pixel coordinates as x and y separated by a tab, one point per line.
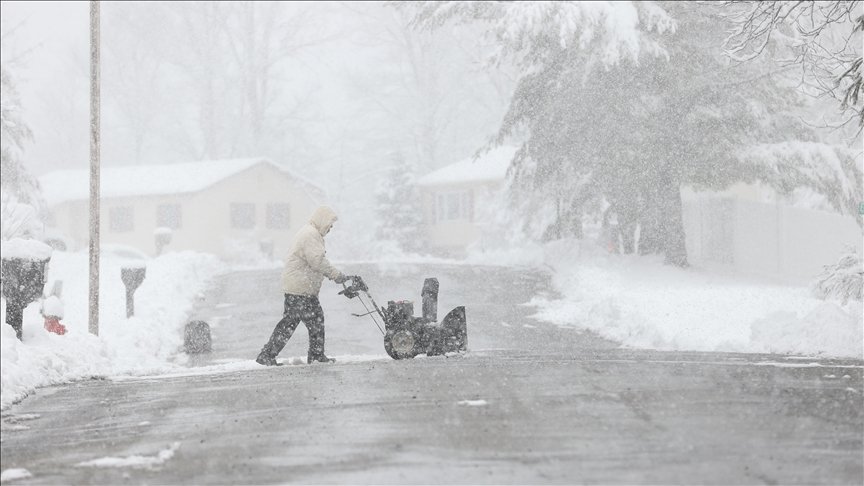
23	281
132	278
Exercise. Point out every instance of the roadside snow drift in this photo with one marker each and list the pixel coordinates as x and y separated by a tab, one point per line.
146	343
135	461
642	303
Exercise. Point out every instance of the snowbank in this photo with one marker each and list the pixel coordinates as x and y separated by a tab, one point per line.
136	461
642	303
146	343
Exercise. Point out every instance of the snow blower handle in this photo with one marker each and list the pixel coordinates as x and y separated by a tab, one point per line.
353	290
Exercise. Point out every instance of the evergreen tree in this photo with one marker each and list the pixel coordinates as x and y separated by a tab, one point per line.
628	108
15	179
399	207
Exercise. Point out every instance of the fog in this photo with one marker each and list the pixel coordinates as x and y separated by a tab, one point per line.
342	88
644	220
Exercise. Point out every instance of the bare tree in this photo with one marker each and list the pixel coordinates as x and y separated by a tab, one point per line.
416	88
234	57
261	36
823	38
197	28
133	71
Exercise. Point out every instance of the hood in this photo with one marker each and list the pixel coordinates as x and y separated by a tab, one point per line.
322	219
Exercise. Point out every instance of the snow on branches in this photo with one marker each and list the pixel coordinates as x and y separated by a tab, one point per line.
532	32
843	280
829	170
14	133
821	38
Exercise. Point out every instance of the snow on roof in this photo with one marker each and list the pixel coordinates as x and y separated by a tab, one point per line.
490	166
150	180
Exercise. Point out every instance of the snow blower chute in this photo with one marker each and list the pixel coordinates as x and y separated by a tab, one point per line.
405	335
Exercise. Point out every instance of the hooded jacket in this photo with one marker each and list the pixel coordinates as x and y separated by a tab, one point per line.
307	265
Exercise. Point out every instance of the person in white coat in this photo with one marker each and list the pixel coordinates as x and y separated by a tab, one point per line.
305	270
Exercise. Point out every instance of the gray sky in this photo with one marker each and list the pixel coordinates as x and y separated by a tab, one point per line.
335	78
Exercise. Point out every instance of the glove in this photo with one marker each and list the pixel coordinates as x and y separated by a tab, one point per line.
342	278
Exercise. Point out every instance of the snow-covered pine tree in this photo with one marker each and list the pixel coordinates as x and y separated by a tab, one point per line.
398	206
15	179
627	102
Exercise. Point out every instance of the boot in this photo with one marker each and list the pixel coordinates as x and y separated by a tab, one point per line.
319	358
265	361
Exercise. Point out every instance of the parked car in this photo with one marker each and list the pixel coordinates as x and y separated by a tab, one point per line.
58	240
123	254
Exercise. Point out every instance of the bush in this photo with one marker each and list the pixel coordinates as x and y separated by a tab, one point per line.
843	280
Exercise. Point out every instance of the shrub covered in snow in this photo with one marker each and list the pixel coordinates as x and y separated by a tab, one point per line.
843	280
18	220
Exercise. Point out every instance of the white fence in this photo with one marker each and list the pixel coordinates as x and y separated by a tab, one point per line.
765	239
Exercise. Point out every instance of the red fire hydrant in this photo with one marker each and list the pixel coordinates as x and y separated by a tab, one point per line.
52	311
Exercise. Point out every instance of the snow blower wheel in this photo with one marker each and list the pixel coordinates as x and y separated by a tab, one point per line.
406	336
400	344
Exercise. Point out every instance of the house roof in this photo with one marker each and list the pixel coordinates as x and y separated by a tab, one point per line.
151	180
490	166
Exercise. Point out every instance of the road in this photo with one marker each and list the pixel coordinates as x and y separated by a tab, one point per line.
529	403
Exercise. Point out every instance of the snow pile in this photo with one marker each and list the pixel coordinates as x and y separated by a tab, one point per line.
20	248
148	342
134	461
826	329
53	306
641	303
14	474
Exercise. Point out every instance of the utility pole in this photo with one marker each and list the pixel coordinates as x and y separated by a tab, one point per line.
94	167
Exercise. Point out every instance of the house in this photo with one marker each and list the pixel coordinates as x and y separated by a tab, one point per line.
458	198
222	207
745	229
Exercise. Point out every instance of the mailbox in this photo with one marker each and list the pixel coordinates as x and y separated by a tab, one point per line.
23	281
132	278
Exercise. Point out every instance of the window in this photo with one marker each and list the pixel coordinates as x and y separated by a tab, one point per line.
169	216
452	206
278	216
242	215
121	219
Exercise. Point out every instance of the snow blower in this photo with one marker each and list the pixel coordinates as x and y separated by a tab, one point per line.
406	336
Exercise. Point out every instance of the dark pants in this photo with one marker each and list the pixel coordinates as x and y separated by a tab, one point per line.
297	308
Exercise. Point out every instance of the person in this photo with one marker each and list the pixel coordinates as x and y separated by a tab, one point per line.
305	269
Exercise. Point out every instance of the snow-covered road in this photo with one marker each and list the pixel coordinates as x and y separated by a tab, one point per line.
530	403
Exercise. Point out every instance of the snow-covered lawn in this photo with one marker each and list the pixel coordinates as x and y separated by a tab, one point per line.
642	303
147	343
